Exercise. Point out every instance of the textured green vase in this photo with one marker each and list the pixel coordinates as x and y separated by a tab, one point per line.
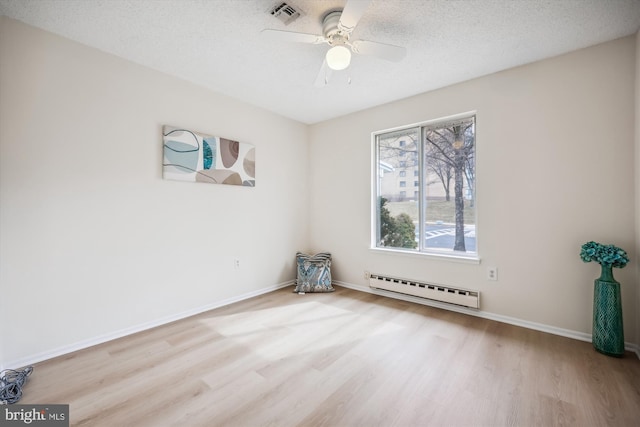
608	334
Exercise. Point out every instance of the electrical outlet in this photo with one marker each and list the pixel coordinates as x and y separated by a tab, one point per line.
236	263
367	275
492	273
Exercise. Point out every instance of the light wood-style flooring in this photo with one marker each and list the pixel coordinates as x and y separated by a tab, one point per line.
342	359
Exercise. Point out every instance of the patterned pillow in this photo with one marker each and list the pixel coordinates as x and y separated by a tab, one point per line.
314	272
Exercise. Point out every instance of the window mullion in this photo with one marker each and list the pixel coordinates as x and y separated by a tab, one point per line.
421	191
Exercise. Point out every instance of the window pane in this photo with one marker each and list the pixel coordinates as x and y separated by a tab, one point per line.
397	211
449	196
437	212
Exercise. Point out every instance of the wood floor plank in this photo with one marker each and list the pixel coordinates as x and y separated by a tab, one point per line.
340	359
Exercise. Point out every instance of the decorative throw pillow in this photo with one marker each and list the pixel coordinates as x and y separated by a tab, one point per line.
314	272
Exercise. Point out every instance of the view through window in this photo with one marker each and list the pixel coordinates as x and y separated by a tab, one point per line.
425	187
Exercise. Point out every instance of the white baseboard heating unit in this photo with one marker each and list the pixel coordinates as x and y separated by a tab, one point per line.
424	290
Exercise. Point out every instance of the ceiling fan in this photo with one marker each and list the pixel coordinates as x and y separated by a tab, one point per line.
337	27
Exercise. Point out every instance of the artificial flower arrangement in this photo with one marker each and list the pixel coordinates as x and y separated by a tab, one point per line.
605	255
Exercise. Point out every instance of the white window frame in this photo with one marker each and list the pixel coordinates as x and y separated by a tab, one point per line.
450	255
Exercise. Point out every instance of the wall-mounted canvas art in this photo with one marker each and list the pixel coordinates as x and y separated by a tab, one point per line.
192	156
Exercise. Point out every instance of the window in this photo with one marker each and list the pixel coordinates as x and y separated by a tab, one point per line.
441	217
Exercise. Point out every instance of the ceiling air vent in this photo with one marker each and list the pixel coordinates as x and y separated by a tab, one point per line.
285	13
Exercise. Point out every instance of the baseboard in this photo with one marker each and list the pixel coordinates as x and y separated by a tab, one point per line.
80	345
633	347
581	336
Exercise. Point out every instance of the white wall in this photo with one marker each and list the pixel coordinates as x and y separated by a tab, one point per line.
93	241
555	168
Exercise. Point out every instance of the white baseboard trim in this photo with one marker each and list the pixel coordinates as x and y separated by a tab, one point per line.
80	345
633	347
581	336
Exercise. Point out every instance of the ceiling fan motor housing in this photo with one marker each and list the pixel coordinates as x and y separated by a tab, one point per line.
331	29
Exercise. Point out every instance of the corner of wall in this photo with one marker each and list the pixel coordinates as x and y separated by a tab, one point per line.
2	36
637	187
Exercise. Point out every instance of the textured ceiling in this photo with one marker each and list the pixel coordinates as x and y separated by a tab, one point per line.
217	43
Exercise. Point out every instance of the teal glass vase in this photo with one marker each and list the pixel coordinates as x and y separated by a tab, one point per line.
608	333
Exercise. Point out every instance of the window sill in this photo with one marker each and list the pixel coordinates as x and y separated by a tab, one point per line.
466	259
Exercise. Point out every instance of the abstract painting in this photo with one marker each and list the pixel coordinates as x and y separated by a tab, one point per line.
195	157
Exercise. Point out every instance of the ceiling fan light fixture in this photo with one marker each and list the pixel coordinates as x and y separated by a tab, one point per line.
338	58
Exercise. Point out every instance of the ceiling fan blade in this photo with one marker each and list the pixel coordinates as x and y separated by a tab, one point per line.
380	50
291	36
353	11
324	75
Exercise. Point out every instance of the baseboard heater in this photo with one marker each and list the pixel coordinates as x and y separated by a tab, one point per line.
440	293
